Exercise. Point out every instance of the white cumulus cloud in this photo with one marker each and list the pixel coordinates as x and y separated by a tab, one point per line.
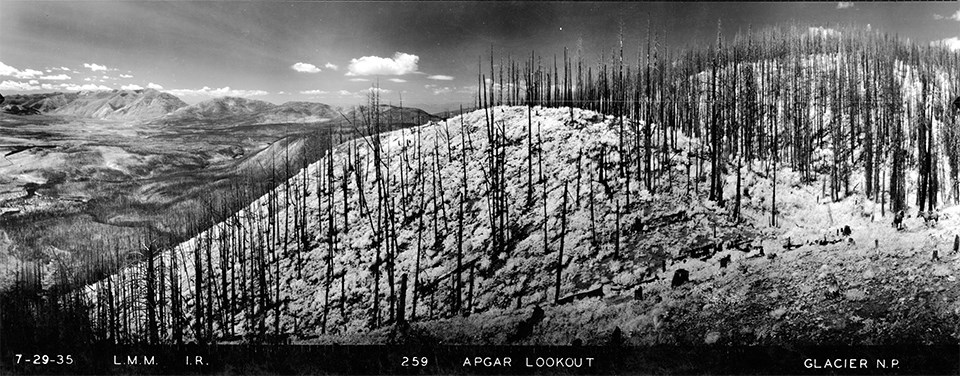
400	64
440	77
442	90
132	87
331	66
154	86
397	80
17	86
359	80
84	87
305	68
225	91
59	77
126	76
845	5
314	92
95	67
6	70
373	90
955	17
953	44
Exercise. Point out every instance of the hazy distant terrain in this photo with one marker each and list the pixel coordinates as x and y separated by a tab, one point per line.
131	162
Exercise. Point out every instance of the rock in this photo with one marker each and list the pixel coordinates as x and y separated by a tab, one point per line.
778	313
712	338
855	295
868	274
941	270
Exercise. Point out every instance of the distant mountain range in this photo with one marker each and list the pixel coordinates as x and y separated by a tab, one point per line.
112	105
150	105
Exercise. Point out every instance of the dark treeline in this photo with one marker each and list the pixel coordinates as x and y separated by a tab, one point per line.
828	104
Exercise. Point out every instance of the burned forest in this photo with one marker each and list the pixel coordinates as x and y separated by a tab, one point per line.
780	184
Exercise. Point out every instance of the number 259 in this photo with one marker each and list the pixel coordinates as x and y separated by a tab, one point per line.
414	361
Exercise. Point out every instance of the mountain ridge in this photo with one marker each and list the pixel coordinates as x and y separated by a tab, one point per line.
149	105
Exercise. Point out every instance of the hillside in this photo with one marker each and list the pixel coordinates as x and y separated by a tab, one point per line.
393	116
36	103
110	105
740	193
219	108
150	105
302	266
120	104
298	112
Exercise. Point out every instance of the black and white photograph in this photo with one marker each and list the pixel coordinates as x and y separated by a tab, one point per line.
458	187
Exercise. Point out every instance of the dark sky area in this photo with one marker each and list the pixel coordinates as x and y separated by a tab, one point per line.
332	52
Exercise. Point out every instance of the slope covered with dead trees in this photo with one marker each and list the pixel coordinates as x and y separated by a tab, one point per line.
572	174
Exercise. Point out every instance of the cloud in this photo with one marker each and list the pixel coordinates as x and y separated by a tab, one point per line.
364	92
125	76
6	70
64	68
132	87
359	80
442	90
305	68
397	80
34	82
314	92
95	67
59	77
17	86
375	90
955	17
225	91
154	86
953	44
844	5
88	79
331	66
440	77
400	64
84	87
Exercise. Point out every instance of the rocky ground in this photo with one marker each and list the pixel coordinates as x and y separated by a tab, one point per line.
878	286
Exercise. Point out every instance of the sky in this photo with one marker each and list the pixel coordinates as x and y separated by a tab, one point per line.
333	52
